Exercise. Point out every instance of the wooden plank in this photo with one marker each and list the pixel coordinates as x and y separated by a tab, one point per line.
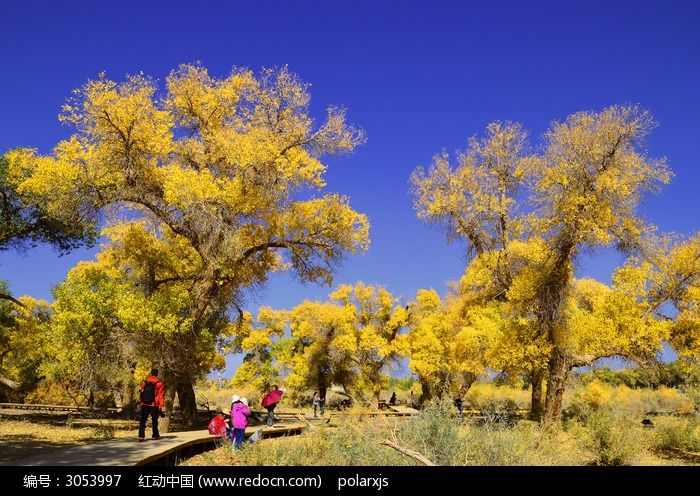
54	408
403	409
131	452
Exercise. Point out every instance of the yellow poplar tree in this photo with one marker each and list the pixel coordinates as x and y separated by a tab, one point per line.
378	319
583	191
667	280
589	181
224	164
116	316
262	344
322	347
476	201
24	340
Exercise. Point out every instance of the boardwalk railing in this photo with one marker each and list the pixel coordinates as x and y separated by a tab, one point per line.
55	408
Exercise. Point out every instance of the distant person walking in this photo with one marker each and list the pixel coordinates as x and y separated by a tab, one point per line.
239	416
318	403
151	405
270	402
315	403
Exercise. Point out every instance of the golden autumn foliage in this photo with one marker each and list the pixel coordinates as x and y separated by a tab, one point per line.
210	184
113	319
351	340
220	162
527	219
229	170
24	337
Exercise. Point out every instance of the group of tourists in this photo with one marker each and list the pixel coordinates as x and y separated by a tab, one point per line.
233	428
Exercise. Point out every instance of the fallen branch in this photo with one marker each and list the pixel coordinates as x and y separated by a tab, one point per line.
408	452
10	383
305	422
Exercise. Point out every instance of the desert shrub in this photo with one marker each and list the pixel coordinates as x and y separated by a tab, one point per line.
596	395
692	394
503	412
678	435
349	443
588	399
484	395
613	437
434	432
525	444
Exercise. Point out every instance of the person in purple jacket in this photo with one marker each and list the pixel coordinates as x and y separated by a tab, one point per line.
239	417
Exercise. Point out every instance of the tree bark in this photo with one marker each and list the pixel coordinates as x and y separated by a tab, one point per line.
188	403
426	393
559	368
169	399
377	386
125	398
468	380
536	405
322	387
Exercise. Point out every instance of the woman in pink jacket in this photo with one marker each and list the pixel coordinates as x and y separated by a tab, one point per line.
239	416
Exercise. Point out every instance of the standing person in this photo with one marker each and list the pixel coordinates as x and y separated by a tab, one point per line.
316	402
458	404
239	416
151	404
270	402
392	400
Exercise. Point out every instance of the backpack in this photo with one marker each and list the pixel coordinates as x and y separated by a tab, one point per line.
148	393
217	426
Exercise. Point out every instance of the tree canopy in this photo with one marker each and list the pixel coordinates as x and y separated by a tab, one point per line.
228	170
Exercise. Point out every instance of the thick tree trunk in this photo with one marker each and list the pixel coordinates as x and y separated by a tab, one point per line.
125	398
559	368
377	386
376	395
426	393
169	400
536	405
468	379
188	404
322	386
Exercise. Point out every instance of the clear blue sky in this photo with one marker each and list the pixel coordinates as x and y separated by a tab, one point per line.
417	76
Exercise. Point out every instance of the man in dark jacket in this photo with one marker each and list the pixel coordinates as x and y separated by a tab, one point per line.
151	404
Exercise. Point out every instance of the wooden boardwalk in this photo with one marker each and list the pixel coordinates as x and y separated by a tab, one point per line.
165	451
